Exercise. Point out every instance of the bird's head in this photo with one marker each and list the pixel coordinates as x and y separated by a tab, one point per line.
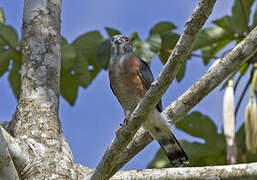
120	45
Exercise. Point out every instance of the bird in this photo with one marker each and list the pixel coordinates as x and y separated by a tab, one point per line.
130	77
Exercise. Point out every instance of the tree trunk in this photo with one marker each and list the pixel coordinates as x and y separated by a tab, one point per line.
36	121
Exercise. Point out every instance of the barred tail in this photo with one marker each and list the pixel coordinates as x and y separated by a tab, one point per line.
159	128
173	150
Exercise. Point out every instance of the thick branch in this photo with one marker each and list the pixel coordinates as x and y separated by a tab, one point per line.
209	172
36	122
153	95
7	168
237	171
139	142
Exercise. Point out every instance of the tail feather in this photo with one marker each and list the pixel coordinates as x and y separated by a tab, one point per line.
159	128
173	150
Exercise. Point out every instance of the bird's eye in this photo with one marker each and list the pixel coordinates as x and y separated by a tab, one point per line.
127	40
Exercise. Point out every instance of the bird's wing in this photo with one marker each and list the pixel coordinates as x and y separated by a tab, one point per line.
147	77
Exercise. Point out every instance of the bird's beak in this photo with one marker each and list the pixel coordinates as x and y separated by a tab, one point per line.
117	42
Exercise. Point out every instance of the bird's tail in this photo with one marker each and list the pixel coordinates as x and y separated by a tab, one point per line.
173	150
159	128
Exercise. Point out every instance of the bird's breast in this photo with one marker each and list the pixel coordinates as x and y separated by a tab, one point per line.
126	82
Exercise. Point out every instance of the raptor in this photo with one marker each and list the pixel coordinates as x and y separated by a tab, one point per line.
130	78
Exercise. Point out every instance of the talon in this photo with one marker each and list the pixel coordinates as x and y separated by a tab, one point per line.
125	121
118	131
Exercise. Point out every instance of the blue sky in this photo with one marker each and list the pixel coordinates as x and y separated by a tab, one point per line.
90	125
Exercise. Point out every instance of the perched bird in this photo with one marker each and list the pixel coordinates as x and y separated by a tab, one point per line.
130	78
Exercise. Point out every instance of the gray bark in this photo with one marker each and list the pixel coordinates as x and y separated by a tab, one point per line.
7	169
36	122
34	143
238	171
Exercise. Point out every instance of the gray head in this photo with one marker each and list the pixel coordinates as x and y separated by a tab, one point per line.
120	45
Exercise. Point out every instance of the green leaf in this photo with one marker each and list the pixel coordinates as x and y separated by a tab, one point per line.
213	49
80	69
199	154
209	36
244	68
240	15
239	21
199	125
163	27
2	17
8	36
69	86
240	140
211	152
202	154
88	43
103	54
168	38
111	32
225	23
15	77
147	49
68	55
160	161
85	69
85	66
169	41
5	56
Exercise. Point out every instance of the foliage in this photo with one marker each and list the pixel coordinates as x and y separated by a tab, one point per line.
84	58
211	152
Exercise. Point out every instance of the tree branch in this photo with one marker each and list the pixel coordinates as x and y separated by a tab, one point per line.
138	143
7	168
157	89
230	63
237	171
204	56
208	172
242	95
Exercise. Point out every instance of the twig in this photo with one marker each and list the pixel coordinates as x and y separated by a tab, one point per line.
240	76
242	95
204	56
153	95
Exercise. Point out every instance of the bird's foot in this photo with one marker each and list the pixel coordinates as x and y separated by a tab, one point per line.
125	122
